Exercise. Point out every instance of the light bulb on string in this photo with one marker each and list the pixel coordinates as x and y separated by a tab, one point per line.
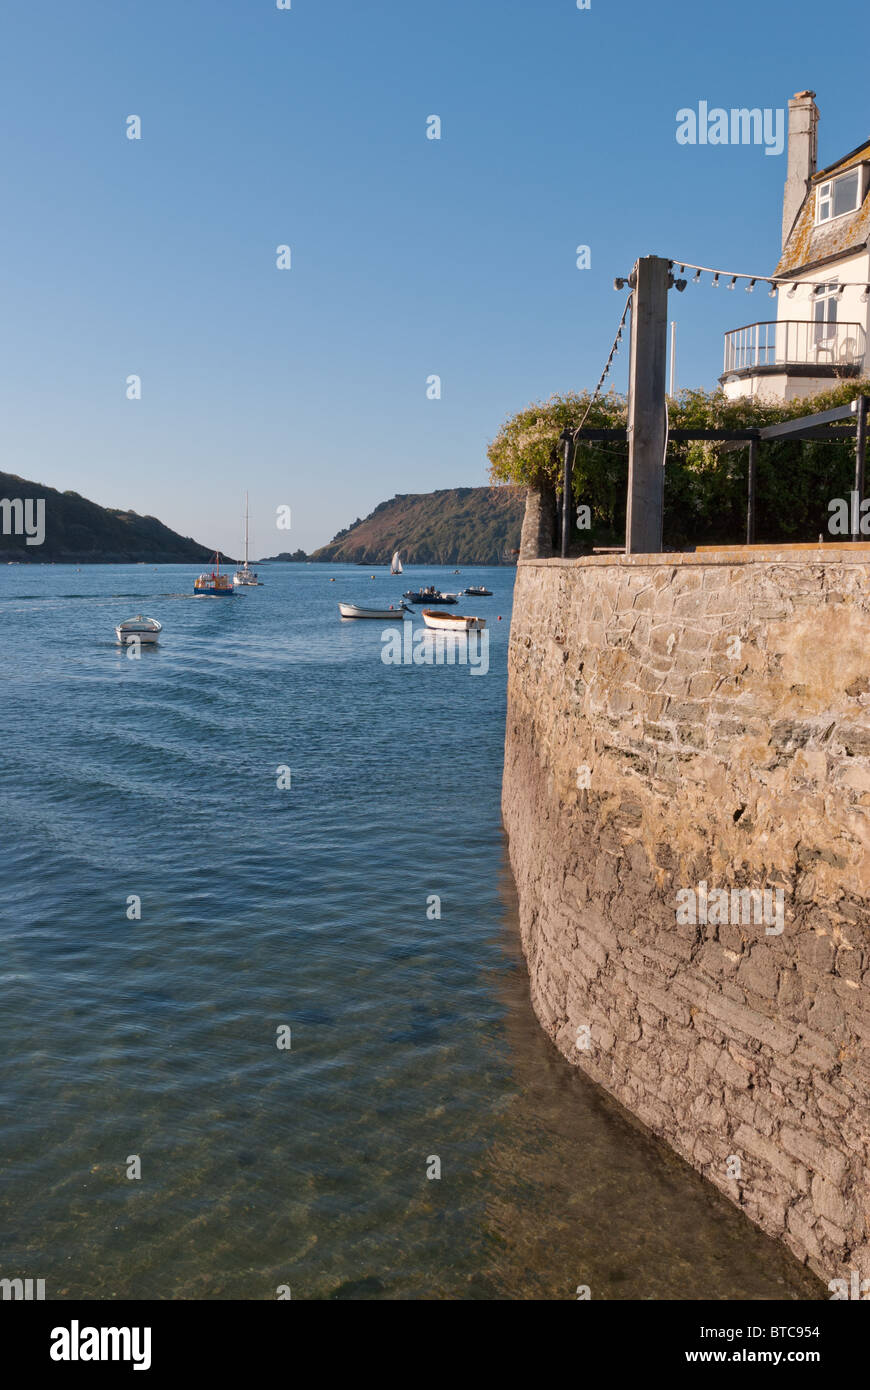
696	278
793	291
750	287
733	282
771	293
716	281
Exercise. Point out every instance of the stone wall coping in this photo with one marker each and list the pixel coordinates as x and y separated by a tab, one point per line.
849	552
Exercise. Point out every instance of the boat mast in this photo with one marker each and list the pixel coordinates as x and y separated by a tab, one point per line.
246	530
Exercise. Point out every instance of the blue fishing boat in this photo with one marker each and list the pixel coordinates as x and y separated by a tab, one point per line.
215	583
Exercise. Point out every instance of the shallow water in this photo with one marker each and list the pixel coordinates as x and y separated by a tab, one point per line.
412	1035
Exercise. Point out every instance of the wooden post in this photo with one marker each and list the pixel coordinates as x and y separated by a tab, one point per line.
650	281
860	458
750	492
567	438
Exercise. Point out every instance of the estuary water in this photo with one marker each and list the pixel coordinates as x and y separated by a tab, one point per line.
149	1043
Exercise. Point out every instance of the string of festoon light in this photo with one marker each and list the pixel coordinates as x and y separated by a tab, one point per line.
608	364
776	282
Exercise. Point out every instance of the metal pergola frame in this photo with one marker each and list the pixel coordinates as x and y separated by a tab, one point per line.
818	426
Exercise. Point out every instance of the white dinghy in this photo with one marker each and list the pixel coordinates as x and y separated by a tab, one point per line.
352	610
145	629
451	622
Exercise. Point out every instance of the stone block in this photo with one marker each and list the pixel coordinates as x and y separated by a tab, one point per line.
822	1158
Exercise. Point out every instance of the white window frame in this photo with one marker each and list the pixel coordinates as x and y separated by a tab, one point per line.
825	196
830	291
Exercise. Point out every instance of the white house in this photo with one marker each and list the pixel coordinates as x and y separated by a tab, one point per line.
820	332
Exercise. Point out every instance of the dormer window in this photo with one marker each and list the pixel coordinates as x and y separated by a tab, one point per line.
838	196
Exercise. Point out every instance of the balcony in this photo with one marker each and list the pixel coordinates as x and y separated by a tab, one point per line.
798	346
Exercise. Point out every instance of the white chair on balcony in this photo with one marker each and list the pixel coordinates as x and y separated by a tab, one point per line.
825	350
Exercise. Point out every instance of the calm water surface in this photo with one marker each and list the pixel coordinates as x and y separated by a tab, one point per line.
261	907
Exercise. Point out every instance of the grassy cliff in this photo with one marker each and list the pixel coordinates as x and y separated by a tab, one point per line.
456	526
81	532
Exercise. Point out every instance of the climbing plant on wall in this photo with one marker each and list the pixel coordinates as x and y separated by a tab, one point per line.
705	481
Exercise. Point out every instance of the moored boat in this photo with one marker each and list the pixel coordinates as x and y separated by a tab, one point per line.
244	576
215	583
141	628
478	591
429	595
451	622
353	610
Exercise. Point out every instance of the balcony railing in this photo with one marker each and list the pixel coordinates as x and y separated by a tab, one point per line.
794	343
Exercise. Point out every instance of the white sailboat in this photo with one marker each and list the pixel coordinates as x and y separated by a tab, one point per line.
245	576
395	563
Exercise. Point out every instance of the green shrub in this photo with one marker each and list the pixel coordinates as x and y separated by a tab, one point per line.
705	481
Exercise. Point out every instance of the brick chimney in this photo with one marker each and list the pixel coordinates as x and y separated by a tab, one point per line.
803	135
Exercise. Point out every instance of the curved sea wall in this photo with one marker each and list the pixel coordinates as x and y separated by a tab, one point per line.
687	799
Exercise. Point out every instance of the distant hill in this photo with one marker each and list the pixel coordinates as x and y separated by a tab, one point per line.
455	526
80	531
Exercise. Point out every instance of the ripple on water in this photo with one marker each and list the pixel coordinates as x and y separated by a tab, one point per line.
412	1037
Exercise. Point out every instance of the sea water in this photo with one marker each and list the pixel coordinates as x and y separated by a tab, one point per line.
264	1015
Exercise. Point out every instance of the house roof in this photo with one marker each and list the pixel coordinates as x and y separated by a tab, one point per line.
809	245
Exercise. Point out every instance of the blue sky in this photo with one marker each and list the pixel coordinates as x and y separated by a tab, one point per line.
411	257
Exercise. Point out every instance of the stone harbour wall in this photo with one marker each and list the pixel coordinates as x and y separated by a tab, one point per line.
678	726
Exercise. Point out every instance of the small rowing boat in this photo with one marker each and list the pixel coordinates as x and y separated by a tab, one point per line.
353	610
141	628
451	622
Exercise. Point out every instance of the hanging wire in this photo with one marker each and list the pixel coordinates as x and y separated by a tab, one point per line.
613	351
773	280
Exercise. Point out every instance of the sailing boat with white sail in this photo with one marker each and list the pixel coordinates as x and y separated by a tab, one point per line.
245	576
395	563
